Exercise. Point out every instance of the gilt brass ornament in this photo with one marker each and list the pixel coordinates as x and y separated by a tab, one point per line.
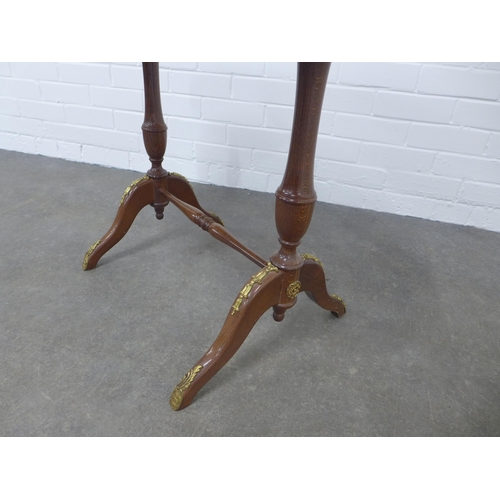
293	289
127	191
312	257
90	251
254	280
178	394
180	176
336	297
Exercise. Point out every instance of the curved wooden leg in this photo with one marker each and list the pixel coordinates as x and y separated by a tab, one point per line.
139	194
256	297
181	188
313	282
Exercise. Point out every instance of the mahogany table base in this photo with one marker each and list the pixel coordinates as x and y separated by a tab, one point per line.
280	279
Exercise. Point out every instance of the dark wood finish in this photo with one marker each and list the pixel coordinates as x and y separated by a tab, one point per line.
135	200
313	282
295	197
287	273
217	230
235	330
146	191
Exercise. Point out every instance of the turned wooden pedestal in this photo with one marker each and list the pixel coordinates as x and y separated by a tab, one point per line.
282	277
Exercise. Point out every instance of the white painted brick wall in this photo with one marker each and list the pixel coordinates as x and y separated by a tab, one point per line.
200	84
240	113
395	76
446	138
419	139
459	82
493	148
64	92
370	129
479	114
414	107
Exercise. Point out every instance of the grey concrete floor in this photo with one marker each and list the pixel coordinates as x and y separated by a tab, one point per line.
98	353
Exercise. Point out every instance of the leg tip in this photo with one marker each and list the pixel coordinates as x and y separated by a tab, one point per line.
278	317
86	266
279	313
177	397
343	308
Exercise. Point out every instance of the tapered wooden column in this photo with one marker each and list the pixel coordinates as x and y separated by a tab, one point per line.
147	190
288	273
295	197
154	132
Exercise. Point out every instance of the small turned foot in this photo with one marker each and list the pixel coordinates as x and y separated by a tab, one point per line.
279	313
